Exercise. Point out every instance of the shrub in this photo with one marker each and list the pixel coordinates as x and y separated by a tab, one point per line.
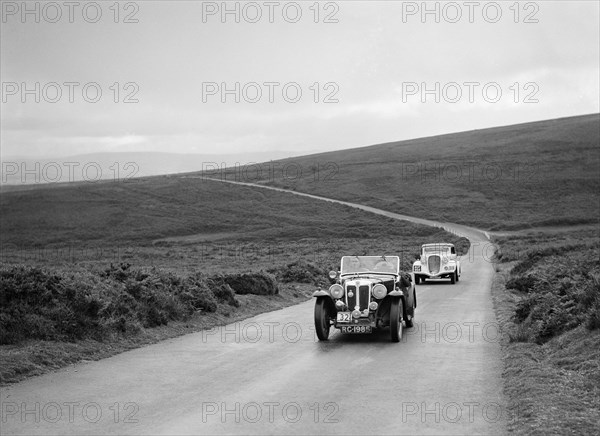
462	245
299	271
522	283
591	297
38	304
260	283
223	293
563	293
199	297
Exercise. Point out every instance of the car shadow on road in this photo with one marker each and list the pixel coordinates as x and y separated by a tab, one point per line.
337	339
436	283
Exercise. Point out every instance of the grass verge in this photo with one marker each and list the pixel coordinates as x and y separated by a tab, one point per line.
551	352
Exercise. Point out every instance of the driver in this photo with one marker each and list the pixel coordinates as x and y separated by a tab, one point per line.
354	263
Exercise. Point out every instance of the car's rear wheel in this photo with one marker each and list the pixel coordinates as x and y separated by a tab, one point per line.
322	319
457	275
396	320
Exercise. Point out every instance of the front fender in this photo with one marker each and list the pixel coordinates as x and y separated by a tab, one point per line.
328	302
321	293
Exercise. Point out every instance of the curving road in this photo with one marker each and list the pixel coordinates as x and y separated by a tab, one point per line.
269	374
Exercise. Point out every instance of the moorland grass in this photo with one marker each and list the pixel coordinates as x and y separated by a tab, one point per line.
547	298
512	177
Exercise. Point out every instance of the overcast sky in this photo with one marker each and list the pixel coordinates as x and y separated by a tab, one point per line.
365	63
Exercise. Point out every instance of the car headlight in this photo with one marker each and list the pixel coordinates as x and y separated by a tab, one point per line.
336	291
417	268
379	291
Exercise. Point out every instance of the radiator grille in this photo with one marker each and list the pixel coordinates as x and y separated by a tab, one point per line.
433	263
364	296
351	301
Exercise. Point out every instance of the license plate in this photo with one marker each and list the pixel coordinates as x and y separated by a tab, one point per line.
344	316
356	329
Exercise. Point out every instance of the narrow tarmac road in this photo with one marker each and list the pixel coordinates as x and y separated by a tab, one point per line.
270	375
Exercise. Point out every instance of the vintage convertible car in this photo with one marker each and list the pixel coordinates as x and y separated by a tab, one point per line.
369	293
437	261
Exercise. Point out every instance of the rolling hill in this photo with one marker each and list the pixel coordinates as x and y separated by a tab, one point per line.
189	224
511	177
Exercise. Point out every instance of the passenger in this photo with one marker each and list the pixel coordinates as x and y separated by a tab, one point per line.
385	266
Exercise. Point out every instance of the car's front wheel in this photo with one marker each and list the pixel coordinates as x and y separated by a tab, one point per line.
453	278
417	280
322	319
396	320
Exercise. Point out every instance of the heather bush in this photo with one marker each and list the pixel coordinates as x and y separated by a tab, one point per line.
121	300
260	283
562	293
522	283
299	271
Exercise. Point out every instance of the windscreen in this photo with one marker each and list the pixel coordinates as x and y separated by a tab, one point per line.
437	249
375	264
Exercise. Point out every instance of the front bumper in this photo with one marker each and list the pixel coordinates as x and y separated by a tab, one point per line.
444	272
359	321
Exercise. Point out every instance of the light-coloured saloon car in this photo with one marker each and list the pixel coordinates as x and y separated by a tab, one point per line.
437	261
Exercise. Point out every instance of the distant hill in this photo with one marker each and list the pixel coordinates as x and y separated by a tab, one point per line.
541	173
118	166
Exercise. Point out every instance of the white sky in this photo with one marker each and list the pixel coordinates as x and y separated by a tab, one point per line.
370	54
